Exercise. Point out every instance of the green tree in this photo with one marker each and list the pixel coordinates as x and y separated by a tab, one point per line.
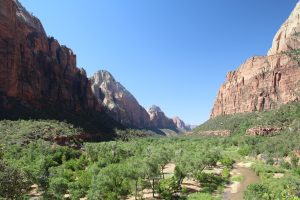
167	187
164	157
58	186
12	182
152	172
210	182
111	183
137	174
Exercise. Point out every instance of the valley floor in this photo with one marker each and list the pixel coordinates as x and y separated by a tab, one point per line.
193	167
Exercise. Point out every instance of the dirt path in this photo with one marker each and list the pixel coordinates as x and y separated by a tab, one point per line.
235	191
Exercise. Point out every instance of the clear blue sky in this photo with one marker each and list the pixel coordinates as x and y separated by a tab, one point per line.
172	53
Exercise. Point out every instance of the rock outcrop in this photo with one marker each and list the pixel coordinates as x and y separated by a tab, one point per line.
264	82
36	72
181	126
263	131
119	102
159	119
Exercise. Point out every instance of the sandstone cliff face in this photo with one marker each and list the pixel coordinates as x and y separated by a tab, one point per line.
37	69
287	37
36	72
264	82
120	103
159	119
181	126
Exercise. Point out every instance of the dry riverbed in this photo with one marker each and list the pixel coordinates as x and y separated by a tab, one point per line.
235	190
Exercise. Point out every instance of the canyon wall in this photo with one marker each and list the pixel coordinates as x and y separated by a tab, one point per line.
265	82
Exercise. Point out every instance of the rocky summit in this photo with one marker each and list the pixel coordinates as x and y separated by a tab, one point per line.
265	82
119	102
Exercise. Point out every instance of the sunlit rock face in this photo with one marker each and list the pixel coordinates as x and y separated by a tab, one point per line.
159	119
181	126
264	82
119	102
288	36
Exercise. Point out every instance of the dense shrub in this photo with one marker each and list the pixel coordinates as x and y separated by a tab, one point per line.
257	192
227	162
211	182
13	182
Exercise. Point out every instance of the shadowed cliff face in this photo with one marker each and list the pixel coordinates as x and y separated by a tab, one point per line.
36	72
264	82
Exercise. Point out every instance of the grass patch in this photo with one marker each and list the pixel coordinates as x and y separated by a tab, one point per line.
237	178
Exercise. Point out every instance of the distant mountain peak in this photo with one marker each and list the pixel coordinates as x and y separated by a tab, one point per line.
154	108
120	103
180	124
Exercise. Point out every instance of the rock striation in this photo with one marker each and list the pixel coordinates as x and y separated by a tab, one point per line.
119	102
264	82
36	72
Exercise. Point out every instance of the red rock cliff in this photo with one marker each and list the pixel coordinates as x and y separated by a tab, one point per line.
264	82
36	69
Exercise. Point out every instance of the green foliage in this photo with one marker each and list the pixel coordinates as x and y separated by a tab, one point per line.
257	192
130	134
111	182
239	123
294	54
227	162
13	182
167	187
114	170
261	169
201	196
226	173
58	187
244	150
25	131
237	178
294	161
285	165
211	182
